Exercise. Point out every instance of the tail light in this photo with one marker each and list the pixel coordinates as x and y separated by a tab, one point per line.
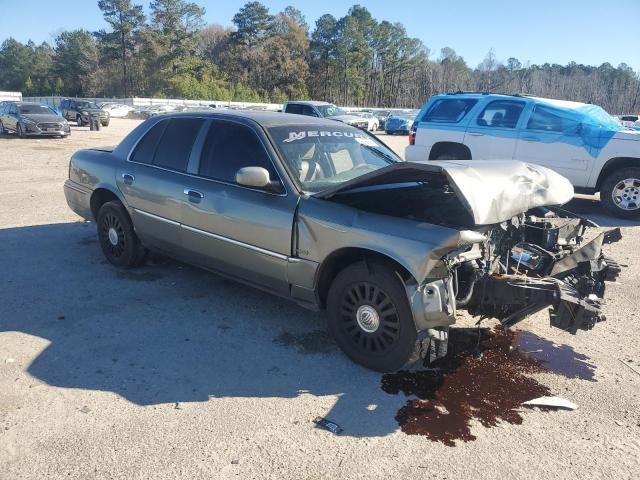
412	134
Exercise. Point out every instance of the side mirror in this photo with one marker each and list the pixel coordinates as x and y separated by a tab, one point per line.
257	177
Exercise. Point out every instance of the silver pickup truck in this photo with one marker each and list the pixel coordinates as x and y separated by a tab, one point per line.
326	215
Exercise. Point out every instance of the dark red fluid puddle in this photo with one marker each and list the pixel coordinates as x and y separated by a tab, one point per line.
489	388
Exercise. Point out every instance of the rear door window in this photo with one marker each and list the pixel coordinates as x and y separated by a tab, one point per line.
176	143
501	114
229	147
308	111
449	110
146	148
550	120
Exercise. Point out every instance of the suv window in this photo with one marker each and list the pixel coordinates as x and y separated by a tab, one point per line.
146	147
230	147
449	110
501	113
63	104
294	108
550	120
176	143
309	111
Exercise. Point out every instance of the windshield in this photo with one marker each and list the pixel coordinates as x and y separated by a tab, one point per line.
87	105
34	110
330	110
319	159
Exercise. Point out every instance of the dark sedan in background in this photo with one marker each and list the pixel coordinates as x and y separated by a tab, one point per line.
32	119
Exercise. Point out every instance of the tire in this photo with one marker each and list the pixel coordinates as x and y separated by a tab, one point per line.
620	193
2	129
370	317
79	121
19	131
118	241
105	124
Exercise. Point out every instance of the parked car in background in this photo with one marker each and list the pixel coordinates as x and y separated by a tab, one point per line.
580	141
326	215
117	110
155	110
325	110
374	124
629	120
80	111
399	124
32	119
382	116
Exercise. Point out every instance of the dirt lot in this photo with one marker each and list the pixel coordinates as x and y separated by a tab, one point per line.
171	372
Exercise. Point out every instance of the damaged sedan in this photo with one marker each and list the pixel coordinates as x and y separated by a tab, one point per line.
328	216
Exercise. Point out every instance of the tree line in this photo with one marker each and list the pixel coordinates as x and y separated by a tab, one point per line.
355	60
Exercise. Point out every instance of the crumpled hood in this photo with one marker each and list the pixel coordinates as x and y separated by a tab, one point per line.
492	191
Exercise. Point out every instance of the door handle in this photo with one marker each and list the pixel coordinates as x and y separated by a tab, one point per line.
128	178
476	134
193	194
530	139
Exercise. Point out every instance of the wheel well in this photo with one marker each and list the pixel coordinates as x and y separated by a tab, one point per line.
615	164
99	197
341	259
460	151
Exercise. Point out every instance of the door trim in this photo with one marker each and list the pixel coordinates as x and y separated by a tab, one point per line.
156	217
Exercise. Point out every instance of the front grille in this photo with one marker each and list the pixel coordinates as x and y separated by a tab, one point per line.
44	126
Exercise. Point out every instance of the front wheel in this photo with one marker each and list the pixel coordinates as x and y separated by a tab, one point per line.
620	193
79	121
119	242
370	317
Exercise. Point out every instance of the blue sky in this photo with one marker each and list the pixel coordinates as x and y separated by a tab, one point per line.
586	31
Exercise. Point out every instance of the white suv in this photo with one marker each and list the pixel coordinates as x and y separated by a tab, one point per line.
580	141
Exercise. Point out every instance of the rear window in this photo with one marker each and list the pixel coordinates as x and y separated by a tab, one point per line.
146	148
449	110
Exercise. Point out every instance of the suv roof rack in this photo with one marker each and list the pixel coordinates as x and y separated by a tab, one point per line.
464	92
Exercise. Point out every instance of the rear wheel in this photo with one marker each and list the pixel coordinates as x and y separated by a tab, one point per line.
119	242
20	131
370	317
620	193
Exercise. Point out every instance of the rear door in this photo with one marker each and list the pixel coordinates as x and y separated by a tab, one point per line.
153	180
244	232
492	133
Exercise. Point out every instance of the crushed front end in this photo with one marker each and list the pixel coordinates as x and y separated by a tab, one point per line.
546	257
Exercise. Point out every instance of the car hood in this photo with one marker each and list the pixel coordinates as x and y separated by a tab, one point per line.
42	117
348	118
492	191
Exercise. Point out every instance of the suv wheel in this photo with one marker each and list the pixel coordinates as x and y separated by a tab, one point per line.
370	317
2	129
620	193
19	131
79	120
118	240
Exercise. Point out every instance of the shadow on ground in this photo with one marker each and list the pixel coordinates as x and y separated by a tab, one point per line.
590	208
170	333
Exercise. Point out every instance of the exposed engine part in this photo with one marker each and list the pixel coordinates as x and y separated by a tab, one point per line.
538	260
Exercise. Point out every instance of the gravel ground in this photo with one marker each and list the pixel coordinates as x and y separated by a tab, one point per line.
171	372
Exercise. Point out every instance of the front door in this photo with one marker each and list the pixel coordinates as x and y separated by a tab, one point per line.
241	231
558	140
493	134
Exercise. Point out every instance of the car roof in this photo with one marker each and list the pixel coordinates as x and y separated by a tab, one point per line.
266	119
552	101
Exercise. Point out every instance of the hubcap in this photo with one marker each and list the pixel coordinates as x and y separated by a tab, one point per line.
369	319
113	236
626	194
